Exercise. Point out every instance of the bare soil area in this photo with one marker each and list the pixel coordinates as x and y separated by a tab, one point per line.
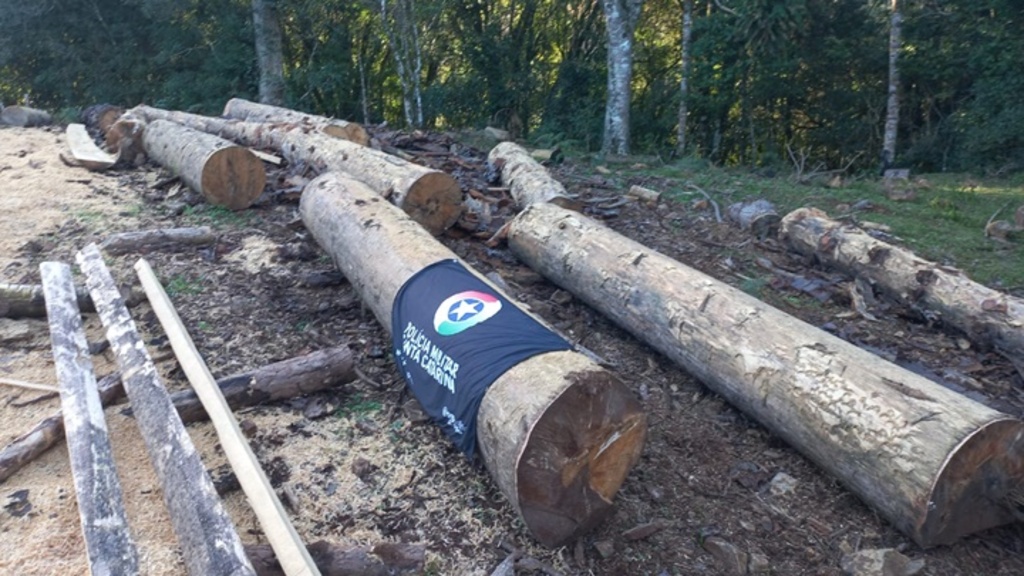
358	465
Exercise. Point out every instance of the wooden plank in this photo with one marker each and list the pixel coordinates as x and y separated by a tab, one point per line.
85	150
291	553
209	542
109	546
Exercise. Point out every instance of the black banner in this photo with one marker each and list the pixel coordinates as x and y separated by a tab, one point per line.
453	336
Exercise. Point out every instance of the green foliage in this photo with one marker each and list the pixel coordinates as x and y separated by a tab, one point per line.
767	76
183	285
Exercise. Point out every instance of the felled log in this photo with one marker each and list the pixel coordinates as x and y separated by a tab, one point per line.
108	544
934	463
85	151
987	317
429	197
209	542
384	559
145	240
28	301
224	173
124	138
248	111
561	488
758	217
24	116
528	181
644	194
289	378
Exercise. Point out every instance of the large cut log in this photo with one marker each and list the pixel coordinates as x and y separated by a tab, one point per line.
278	529
306	374
428	196
209	542
557	432
24	116
108	545
988	317
528	181
934	463
85	151
224	173
248	111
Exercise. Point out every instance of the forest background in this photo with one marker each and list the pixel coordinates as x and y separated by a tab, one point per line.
734	82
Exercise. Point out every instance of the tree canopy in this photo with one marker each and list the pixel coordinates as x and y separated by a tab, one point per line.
765	77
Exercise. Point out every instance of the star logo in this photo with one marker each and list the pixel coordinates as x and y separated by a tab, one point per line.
464	310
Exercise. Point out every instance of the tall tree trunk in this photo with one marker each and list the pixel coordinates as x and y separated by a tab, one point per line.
684	88
269	54
399	22
892	112
621	17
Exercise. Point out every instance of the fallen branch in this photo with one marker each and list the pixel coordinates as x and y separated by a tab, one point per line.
718	211
146	240
28	385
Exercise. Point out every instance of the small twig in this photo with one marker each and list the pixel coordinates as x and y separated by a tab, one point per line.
29	385
718	211
996	213
36	400
362	376
725	8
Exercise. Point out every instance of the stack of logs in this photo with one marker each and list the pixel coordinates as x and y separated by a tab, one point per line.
935	464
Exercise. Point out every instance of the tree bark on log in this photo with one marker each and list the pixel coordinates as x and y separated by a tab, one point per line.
145	240
987	317
561	487
528	181
209	542
935	464
28	301
224	173
108	544
124	138
100	117
247	111
24	116
428	196
278	381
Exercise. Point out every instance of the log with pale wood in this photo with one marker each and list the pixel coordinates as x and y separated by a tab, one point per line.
759	217
24	116
934	463
990	318
85	151
98	118
277	527
28	301
108	544
528	181
644	194
560	488
224	173
249	111
209	541
124	138
157	239
306	374
430	197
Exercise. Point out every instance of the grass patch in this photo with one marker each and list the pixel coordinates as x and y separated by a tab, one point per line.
359	406
217	216
182	285
944	222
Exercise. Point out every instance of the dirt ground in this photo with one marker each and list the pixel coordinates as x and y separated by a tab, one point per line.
357	467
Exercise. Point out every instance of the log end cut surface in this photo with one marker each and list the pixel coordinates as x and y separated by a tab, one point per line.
574	454
233	177
434	200
981	485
